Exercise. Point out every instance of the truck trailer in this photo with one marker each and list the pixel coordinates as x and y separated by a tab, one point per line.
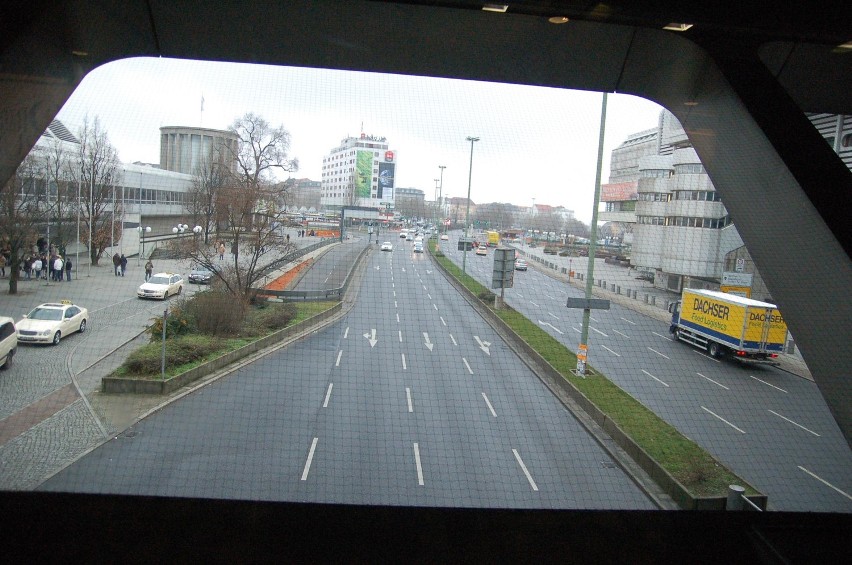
726	324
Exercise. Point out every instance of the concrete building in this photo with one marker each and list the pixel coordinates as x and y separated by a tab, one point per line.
619	195
359	172
184	149
302	193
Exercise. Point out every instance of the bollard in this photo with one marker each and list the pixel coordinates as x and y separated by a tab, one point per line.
646	298
653	300
612	288
735	497
618	289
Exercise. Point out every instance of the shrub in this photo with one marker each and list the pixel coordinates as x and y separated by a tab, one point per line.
180	321
146	360
276	317
218	313
487	296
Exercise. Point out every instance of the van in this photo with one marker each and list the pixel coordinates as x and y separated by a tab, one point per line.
8	342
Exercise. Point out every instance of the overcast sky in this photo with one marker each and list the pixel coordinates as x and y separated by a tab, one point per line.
534	142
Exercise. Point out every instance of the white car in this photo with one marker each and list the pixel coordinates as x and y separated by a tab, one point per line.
418	247
161	285
387	246
8	341
50	322
445	237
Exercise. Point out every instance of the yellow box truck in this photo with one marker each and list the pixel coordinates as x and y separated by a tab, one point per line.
726	324
493	238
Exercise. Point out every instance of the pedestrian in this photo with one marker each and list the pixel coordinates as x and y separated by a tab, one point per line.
221	250
288	238
2	266
28	266
58	264
123	262
68	269
149	270
45	264
116	263
37	267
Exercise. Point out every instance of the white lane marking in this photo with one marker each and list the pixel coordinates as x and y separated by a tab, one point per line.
655	378
534	304
658	353
310	458
552	326
346	333
552	316
454	340
712	381
794	423
550	297
621	334
600	332
466	364
404	366
629	322
397	317
576	330
768	384
823	481
408	397
339	355
724	420
326	279
592	319
442	320
562	291
394	294
392	284
524	469
706	356
327	395
400	336
610	350
424	287
394	304
429	295
435	306
419	467
662	336
519	294
491	408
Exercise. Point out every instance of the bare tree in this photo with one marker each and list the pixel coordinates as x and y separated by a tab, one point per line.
22	212
61	202
99	172
246	207
212	173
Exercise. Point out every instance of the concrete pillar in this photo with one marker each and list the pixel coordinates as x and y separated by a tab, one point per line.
735	498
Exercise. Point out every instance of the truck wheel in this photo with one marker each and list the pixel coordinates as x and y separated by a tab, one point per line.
715	350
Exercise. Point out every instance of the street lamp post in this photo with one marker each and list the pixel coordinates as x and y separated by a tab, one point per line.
142	231
441	199
472	140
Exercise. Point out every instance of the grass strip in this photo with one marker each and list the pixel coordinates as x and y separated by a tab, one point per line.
685	460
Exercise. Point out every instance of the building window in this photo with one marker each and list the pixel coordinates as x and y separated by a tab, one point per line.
689	168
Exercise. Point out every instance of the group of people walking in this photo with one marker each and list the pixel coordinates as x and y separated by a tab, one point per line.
44	267
119	263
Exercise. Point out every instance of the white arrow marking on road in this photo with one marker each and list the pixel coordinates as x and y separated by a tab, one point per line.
377	267
429	344
403	269
550	325
483	345
372	339
428	272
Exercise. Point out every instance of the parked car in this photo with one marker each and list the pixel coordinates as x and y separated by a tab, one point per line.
161	285
387	246
8	341
50	322
445	237
520	265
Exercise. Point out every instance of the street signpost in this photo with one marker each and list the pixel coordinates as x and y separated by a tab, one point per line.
503	272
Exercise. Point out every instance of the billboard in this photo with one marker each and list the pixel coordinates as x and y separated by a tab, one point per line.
363	174
386	173
619	191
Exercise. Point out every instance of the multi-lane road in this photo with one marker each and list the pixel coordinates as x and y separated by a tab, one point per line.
771	427
410	399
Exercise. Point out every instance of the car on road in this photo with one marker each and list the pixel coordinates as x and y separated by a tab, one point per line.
8	341
520	265
200	275
387	246
482	250
161	285
445	237
418	247
50	322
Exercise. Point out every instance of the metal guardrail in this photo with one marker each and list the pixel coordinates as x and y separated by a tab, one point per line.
305	295
292	256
